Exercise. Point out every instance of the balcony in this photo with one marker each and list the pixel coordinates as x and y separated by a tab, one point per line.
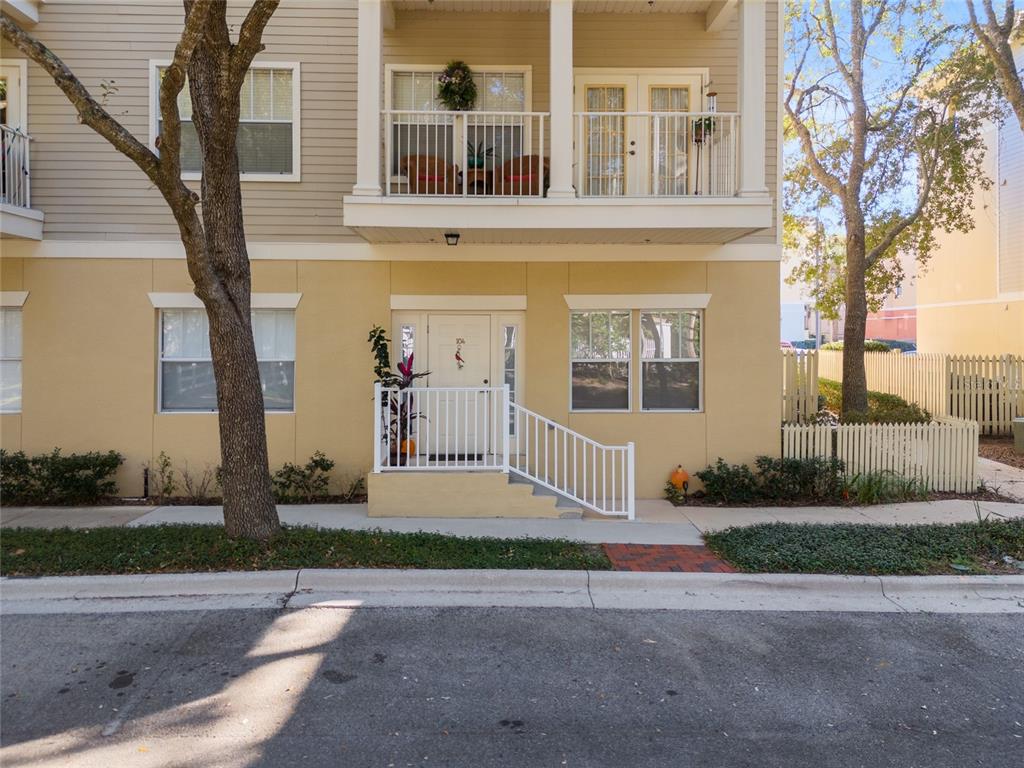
601	124
17	217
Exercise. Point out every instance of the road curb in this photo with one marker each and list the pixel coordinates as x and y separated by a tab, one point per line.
370	588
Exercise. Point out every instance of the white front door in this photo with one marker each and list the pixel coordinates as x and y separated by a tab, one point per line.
627	143
459	355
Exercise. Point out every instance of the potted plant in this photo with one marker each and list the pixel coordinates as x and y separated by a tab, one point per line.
456	88
478	154
398	410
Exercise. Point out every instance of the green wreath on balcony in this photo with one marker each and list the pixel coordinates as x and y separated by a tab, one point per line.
455	86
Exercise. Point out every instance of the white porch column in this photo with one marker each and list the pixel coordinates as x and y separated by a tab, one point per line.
560	44
369	76
752	87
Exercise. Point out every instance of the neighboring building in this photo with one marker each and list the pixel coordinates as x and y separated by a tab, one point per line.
897	319
970	296
611	255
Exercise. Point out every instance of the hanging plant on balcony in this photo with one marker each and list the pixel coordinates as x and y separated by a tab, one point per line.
703	129
455	86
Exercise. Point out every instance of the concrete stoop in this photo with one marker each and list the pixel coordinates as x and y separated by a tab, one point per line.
463	494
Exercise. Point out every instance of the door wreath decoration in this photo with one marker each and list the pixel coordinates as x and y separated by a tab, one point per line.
459	361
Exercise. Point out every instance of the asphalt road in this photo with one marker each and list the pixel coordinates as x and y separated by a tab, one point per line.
512	687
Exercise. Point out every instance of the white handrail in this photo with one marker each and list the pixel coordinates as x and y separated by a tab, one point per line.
446	153
438	429
657	154
596	476
14	167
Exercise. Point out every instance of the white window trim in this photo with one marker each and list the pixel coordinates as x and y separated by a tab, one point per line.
524	69
644	301
13	298
22	66
628	361
294	66
256	300
20	359
699	360
468	302
160	361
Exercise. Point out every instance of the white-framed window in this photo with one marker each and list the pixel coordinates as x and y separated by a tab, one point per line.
186	382
670	360
412	88
600	345
10	360
269	124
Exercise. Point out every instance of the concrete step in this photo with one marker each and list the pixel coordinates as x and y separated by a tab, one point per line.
567	507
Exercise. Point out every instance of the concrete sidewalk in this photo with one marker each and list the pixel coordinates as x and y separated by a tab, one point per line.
658	522
1002	478
390	588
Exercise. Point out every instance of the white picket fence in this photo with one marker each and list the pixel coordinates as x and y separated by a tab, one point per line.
986	389
799	385
941	454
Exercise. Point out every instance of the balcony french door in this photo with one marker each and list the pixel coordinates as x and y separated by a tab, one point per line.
634	136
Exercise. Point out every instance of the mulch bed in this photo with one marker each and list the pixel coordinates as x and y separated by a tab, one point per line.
1000	449
665	558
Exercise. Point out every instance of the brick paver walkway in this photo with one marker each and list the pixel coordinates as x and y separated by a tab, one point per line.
665	558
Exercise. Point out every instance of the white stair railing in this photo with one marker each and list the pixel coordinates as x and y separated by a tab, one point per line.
438	429
595	476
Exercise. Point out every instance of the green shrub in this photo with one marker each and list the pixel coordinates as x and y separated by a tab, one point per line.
772	480
305	484
810	479
883	408
870	345
51	478
729	483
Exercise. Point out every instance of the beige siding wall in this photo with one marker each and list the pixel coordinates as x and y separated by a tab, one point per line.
621	41
88	191
90	357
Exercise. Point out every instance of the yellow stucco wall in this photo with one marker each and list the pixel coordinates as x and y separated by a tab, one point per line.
90	357
959	307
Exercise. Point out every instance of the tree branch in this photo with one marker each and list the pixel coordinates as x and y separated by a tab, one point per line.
171	85
995	39
90	112
250	38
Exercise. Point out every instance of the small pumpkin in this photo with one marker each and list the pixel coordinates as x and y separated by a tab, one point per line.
407	447
679	478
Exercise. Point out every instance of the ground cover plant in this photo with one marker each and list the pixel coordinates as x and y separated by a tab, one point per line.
883	408
979	547
199	548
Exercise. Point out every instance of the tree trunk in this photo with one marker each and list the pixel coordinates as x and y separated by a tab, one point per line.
855	387
249	509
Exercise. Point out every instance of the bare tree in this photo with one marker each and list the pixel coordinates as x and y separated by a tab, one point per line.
214	240
884	110
995	34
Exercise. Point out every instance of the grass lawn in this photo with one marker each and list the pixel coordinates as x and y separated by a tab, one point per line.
193	548
976	547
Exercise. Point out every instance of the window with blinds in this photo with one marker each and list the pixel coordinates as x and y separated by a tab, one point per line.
186	367
266	124
414	93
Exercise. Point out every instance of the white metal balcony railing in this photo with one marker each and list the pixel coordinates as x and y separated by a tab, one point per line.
14	167
465	154
439	429
617	154
656	154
